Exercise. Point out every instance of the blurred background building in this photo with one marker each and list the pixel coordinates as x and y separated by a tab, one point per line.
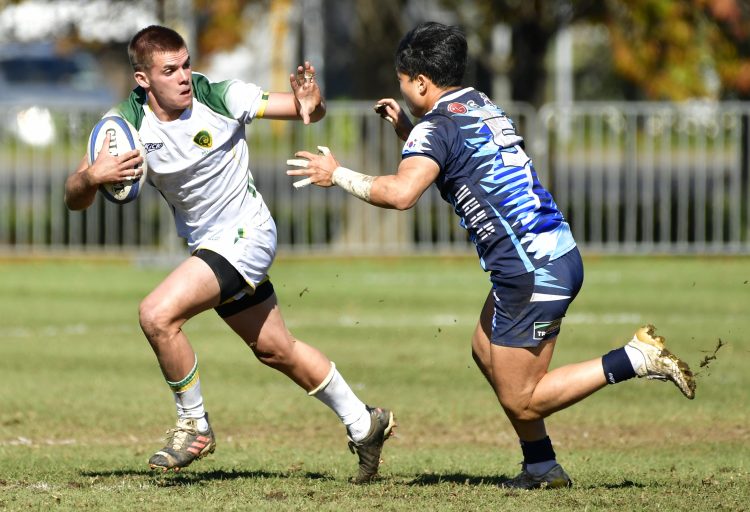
633	111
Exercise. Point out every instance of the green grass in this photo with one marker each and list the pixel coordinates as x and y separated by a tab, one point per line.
83	403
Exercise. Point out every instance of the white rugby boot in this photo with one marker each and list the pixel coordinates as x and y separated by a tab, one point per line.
661	364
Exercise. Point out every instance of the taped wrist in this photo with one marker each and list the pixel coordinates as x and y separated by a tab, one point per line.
357	184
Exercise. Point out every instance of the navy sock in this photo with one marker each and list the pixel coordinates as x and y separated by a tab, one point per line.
617	366
537	451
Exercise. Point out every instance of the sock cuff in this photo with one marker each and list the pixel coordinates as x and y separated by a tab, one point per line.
188	382
617	366
325	382
537	451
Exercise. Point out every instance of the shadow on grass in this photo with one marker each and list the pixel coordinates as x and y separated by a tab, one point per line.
457	478
625	484
464	479
173	479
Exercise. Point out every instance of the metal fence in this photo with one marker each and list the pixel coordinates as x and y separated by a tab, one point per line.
650	177
630	177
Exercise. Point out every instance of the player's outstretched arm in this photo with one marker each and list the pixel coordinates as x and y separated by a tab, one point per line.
399	191
391	111
81	186
304	102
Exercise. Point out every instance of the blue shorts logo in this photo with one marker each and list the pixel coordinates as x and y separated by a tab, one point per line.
542	330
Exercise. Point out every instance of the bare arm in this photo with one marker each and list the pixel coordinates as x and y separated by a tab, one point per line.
81	186
304	102
400	191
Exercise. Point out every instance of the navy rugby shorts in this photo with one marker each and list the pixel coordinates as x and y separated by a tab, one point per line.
529	308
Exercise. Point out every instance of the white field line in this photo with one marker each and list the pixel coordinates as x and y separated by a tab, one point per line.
63	330
448	319
370	320
126	441
25	441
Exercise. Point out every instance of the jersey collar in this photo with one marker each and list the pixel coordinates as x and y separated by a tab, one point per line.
450	96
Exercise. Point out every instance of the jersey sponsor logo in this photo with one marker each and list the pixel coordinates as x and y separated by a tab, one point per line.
541	329
153	146
457	108
203	139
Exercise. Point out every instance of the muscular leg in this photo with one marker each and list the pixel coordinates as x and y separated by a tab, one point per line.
482	352
480	341
529	393
519	376
263	329
190	289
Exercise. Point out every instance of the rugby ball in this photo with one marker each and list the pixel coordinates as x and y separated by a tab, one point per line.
123	137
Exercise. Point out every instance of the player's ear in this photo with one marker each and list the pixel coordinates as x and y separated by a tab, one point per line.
141	79
422	83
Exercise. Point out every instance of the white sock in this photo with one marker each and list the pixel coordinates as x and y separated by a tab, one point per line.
190	405
188	398
540	468
336	394
637	359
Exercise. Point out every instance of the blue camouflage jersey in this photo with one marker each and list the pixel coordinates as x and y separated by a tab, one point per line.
491	183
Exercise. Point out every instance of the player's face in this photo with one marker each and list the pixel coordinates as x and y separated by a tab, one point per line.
169	82
411	94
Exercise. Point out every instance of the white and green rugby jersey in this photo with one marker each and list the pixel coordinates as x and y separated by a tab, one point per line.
200	162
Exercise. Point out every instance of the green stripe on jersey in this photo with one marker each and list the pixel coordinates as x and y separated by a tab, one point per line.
132	108
211	94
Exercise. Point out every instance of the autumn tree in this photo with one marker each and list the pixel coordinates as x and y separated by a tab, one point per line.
680	49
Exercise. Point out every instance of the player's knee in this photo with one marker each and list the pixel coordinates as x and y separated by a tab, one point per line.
273	351
154	318
519	410
273	359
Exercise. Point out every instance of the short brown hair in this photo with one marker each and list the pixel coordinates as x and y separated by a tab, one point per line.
150	40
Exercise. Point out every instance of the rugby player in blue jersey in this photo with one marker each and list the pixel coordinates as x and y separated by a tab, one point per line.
470	150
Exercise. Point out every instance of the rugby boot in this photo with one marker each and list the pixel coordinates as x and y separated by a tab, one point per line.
368	449
184	445
661	364
552	479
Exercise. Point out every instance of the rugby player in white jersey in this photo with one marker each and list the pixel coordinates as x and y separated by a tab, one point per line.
197	155
469	148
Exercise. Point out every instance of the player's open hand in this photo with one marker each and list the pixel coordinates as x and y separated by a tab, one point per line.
390	110
317	168
114	169
306	90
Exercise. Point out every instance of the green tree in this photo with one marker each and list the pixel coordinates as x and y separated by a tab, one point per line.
533	24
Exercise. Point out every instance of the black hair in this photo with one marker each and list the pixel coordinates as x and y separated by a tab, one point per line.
434	50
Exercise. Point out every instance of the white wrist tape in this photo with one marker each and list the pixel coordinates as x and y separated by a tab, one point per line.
357	184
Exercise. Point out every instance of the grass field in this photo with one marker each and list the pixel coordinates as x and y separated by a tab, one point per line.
83	403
